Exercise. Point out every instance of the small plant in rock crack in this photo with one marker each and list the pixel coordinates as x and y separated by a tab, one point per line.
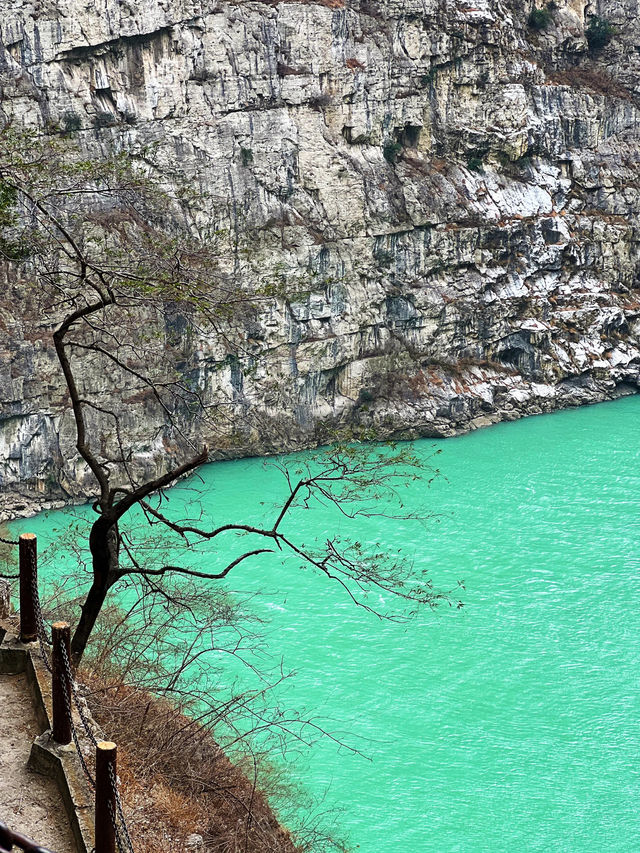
599	32
391	151
475	164
539	19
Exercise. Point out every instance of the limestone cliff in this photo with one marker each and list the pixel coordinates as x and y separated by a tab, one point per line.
452	194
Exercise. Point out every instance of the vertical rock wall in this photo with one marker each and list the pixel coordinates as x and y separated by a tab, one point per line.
447	196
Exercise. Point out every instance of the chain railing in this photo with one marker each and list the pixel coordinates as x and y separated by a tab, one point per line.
123	839
8	577
10	839
68	695
43	639
66	698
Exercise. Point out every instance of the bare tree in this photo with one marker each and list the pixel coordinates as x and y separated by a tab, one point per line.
115	256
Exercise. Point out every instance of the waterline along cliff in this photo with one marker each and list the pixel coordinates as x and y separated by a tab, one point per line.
439	198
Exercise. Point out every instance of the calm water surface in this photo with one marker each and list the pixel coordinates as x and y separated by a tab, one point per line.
514	723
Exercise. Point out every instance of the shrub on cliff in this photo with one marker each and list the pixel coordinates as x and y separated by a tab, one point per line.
539	19
599	32
391	151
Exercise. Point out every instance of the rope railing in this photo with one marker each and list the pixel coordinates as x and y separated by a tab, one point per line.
111	830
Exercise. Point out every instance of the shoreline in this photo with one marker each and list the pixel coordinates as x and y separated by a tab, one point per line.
18	505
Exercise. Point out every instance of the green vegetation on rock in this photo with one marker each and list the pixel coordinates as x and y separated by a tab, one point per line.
599	32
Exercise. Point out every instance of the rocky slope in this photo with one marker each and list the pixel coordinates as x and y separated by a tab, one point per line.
450	195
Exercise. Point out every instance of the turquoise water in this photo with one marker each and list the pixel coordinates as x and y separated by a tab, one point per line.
513	723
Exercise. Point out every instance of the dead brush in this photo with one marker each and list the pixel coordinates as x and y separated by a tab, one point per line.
141	684
176	780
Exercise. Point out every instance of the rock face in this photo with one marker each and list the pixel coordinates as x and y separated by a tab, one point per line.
450	195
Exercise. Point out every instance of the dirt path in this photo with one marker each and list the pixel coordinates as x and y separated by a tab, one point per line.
29	803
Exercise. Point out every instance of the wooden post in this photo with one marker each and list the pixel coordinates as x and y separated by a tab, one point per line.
61	688
105	796
28	547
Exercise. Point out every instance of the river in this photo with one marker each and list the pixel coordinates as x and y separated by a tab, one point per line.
512	724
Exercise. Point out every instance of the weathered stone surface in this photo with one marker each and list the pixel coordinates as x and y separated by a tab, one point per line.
453	196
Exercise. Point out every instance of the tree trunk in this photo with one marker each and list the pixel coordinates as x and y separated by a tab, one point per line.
104	542
90	612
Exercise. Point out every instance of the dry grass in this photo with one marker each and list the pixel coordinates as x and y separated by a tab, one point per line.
176	780
595	80
163	702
